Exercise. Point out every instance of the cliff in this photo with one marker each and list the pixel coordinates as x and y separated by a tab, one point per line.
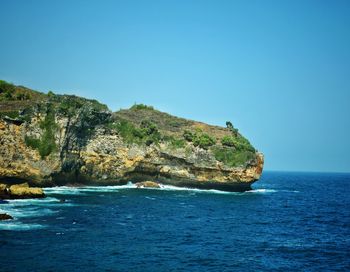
49	139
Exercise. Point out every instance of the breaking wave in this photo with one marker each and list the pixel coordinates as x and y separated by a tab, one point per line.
68	190
19	226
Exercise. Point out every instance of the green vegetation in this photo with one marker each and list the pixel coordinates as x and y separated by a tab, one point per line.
46	145
166	123
231	128
199	138
9	92
16	115
175	143
231	157
141	107
240	143
49	127
6	89
148	128
69	104
229	125
147	133
228	141
32	142
11	114
203	140
188	135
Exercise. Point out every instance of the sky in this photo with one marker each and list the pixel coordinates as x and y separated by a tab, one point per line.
278	70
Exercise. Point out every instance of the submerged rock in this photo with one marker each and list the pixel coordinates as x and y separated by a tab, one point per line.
20	191
147	184
5	216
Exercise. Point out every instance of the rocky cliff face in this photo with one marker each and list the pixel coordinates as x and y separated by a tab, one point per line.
51	140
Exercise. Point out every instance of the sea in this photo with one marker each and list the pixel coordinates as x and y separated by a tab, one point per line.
287	222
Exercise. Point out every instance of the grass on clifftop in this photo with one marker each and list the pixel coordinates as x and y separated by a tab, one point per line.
199	138
14	97
147	133
226	144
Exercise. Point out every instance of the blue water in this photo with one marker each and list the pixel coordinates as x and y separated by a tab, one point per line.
289	222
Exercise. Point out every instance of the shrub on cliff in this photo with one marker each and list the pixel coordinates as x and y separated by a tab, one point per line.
125	129
188	135
150	132
148	127
46	144
70	104
141	107
243	144
228	141
174	142
10	92
231	157
203	140
199	138
6	88
147	133
32	142
239	142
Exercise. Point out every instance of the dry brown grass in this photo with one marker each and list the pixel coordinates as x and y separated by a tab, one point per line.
168	124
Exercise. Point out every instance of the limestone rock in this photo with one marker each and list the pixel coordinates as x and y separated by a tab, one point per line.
64	139
147	184
20	191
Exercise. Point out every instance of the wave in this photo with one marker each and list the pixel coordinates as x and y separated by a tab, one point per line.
65	190
30	201
27	212
194	190
16	213
262	191
68	190
18	226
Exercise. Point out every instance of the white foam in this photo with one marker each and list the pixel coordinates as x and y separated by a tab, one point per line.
67	190
262	191
175	188
27	212
18	226
290	191
31	201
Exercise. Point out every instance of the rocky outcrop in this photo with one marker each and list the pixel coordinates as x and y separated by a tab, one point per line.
20	191
147	184
5	216
71	140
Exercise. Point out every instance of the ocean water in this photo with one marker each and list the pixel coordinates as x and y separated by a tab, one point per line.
288	222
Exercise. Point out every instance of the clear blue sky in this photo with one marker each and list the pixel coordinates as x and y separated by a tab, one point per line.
279	70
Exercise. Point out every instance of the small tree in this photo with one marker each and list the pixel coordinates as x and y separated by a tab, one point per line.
229	125
149	127
188	135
